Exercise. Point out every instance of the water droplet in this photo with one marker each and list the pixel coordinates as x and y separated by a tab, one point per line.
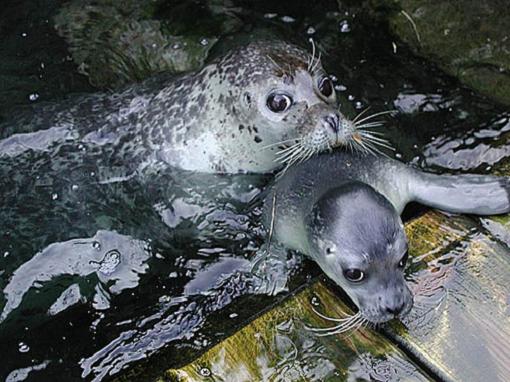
288	19
204	42
24	34
173	275
205	372
310	30
96	245
398	155
350	97
344	26
340	88
6	253
74	187
176	46
270	15
314	301
233	315
54	196
33	97
23	347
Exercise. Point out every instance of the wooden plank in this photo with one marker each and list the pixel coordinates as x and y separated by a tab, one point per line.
460	277
277	346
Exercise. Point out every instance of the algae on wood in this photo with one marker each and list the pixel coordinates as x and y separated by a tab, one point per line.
277	346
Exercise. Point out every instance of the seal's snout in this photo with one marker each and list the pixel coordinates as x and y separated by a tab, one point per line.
332	121
395	309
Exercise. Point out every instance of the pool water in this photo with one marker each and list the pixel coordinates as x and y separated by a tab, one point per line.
103	269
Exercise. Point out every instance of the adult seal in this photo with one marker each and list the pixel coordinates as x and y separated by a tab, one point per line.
235	115
342	210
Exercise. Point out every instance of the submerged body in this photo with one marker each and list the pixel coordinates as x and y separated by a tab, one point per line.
232	116
342	211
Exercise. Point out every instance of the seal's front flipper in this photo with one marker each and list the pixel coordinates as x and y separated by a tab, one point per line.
472	194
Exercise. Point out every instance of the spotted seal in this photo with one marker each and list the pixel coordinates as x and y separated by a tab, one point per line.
342	210
238	114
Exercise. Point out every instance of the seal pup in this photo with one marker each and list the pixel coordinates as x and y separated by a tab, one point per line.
342	210
260	105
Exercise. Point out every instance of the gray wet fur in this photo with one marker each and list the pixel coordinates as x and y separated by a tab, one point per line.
215	120
342	210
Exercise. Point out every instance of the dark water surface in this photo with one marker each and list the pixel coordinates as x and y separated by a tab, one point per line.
101	268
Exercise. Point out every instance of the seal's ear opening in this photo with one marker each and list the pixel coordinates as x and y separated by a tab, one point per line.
247	98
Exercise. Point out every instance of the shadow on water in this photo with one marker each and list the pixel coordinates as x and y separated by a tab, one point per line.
101	268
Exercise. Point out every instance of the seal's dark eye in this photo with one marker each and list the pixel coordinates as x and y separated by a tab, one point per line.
278	102
354	275
325	86
403	261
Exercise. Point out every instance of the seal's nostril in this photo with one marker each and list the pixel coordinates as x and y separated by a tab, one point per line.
332	121
396	310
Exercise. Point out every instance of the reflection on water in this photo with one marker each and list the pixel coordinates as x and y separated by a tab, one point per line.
115	260
102	266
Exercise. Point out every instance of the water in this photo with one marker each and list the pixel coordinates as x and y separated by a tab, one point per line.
102	269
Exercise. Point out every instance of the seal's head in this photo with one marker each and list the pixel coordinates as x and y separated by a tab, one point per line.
283	99
358	239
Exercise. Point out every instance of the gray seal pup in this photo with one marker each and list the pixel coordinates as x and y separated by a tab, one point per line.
342	210
238	114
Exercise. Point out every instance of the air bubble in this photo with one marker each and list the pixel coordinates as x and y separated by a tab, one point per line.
344	26
23	347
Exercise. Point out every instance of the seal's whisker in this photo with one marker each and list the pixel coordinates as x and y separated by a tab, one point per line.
369	135
317	63
360	114
378	142
371	124
374	150
310	63
331	318
331	329
342	328
282	142
374	115
371	132
287	149
366	147
284	157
